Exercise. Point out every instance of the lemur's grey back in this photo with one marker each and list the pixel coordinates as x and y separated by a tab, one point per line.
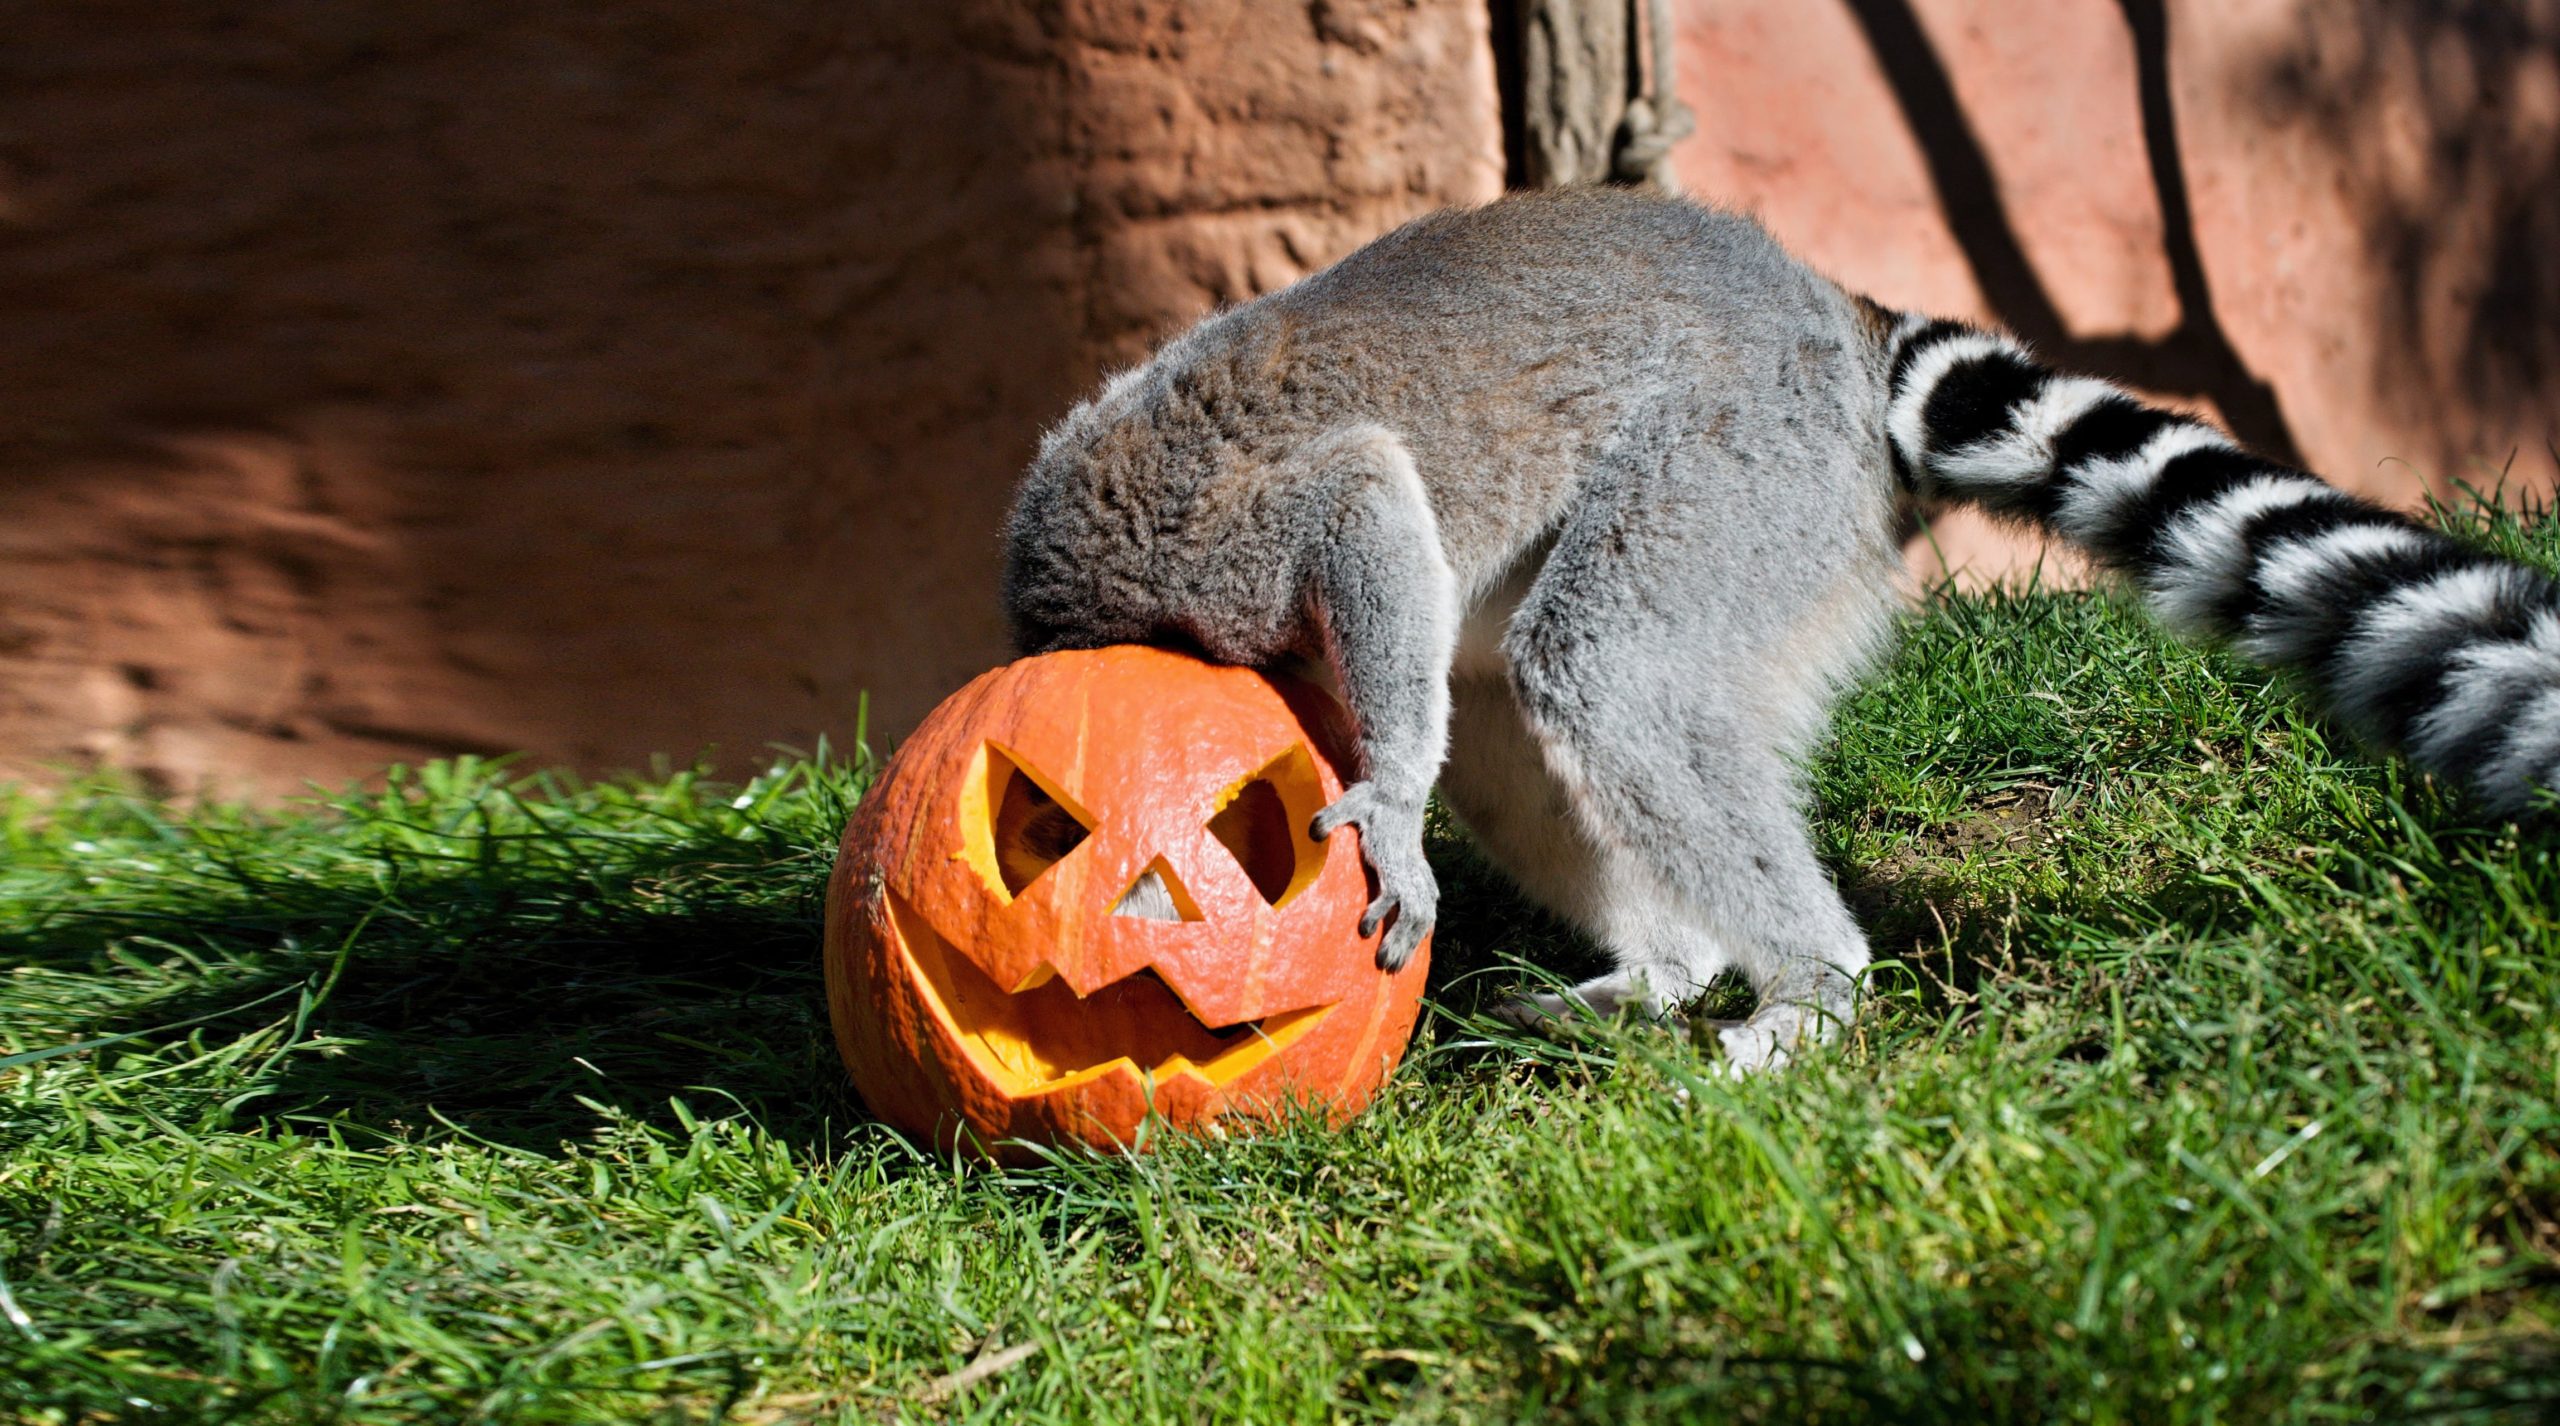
1513	349
1511	346
1587	497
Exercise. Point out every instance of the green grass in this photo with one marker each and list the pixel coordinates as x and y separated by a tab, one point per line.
2212	1075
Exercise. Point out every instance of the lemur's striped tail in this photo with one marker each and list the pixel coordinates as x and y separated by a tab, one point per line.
2447	654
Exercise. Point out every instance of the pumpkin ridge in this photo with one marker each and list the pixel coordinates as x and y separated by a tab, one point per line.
965	916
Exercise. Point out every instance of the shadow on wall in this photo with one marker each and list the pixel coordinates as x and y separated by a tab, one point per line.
390	381
600	382
2443	116
2441	125
2195	359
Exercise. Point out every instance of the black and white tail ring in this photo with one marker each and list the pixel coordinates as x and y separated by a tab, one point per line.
2447	654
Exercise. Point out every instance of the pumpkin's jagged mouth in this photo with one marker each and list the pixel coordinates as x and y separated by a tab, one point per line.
1044	1037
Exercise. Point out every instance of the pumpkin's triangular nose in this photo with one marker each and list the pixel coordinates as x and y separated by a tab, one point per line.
1157	895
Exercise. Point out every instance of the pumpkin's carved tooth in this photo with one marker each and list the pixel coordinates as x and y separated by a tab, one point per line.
1038	1040
1041	975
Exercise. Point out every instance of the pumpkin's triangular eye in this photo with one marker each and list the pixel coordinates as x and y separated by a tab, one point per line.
1032	827
1262	821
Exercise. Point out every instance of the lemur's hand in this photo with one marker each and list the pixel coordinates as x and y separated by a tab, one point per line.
1391	841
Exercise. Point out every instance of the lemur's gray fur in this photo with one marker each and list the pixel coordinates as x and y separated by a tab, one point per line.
1587	500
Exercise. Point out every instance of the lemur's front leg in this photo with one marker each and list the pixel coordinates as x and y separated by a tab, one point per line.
1385	607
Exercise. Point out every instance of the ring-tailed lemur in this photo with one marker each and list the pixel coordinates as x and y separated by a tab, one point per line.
1594	494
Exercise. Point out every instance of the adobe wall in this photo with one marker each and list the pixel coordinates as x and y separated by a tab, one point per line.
604	381
383	382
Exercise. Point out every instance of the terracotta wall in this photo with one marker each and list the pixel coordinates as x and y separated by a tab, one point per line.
599	381
610	380
2336	222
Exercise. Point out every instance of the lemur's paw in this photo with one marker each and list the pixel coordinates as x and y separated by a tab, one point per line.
1749	1049
1623	992
1541	1013
1771	1037
1391	842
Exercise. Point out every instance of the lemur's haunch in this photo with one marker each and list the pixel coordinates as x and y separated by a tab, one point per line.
1587	500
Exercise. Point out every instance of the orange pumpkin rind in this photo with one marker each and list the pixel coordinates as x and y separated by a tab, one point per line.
971	1011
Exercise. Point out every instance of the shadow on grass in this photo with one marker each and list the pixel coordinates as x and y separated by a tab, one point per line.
493	995
1988	1358
1488	933
503	974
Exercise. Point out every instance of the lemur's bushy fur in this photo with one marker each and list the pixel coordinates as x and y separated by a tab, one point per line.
1587	501
2451	655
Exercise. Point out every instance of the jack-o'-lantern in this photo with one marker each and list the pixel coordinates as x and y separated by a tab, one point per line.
1084	891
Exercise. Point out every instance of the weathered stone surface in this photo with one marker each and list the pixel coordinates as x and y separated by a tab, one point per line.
602	382
2366	264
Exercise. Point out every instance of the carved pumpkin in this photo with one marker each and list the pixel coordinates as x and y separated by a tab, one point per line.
1084	890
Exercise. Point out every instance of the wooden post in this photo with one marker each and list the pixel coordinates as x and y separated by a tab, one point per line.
1595	103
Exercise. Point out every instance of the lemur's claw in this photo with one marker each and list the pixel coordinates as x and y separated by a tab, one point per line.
1391	843
1403	939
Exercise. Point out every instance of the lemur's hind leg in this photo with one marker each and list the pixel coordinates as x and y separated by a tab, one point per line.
1498	784
1671	671
1701	818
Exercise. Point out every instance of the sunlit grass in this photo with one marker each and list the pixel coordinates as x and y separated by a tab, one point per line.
2211	1074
